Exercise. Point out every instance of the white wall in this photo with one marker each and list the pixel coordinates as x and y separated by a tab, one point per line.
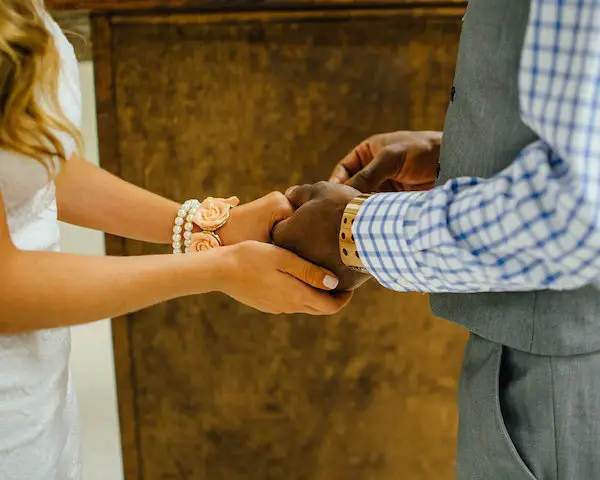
92	355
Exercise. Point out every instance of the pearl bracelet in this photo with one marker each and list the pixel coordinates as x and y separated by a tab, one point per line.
209	216
184	224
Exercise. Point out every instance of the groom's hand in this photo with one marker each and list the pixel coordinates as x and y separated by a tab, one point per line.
392	162
312	232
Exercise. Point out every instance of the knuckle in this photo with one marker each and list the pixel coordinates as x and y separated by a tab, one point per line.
276	196
284	205
308	273
280	202
393	151
426	146
373	139
303	187
366	172
364	176
322	185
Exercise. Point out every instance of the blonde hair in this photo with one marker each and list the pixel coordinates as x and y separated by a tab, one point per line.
30	112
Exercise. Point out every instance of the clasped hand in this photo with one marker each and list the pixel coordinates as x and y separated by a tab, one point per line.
305	224
264	276
393	162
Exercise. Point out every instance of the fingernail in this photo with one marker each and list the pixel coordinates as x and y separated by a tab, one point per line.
330	282
291	189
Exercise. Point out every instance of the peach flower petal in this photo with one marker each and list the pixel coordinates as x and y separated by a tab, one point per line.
202	241
213	213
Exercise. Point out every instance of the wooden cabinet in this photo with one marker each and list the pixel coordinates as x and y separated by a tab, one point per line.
244	97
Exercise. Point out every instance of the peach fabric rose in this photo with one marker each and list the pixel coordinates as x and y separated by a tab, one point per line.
202	241
214	212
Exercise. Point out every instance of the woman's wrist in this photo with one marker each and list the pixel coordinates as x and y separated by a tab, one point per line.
219	266
197	225
200	273
228	233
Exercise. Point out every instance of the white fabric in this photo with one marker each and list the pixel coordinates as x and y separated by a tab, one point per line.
39	422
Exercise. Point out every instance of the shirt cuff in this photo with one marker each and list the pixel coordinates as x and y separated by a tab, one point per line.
383	231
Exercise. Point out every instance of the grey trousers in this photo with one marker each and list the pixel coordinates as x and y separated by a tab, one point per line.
528	417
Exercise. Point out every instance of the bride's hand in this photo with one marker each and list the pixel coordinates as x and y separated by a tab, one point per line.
255	220
274	280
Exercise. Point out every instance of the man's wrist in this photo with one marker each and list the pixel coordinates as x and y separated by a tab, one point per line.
348	248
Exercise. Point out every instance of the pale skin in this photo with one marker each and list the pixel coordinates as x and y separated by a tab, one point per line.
47	289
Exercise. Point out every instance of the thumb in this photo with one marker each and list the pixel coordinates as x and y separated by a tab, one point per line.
386	165
308	273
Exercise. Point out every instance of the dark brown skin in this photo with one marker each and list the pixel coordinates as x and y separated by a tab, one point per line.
312	232
392	162
396	162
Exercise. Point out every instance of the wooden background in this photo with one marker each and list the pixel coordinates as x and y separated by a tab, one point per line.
233	102
111	6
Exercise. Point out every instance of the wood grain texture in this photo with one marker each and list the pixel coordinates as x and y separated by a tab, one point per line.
221	391
108	134
229	17
164	5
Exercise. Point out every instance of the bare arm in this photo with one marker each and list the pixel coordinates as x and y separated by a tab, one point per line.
46	289
91	197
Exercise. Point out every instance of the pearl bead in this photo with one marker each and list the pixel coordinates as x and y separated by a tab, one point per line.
176	245
181	213
187	235
177	229
179	221
189	227
189	218
187	243
177	237
187	250
177	251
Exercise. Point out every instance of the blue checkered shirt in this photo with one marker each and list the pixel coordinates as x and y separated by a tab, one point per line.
536	224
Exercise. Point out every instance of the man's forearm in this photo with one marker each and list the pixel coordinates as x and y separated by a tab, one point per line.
534	225
514	232
93	198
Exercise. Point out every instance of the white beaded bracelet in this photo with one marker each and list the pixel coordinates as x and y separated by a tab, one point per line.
184	224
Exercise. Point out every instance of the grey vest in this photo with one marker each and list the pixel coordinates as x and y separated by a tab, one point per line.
483	133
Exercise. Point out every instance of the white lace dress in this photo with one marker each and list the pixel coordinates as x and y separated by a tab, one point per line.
39	424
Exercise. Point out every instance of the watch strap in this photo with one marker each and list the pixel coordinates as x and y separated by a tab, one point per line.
348	250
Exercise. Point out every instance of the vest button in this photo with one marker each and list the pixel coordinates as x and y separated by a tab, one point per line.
452	94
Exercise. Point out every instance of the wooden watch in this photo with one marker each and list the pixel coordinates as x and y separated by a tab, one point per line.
348	251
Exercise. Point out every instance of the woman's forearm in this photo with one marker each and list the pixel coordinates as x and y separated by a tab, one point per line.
90	197
48	289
